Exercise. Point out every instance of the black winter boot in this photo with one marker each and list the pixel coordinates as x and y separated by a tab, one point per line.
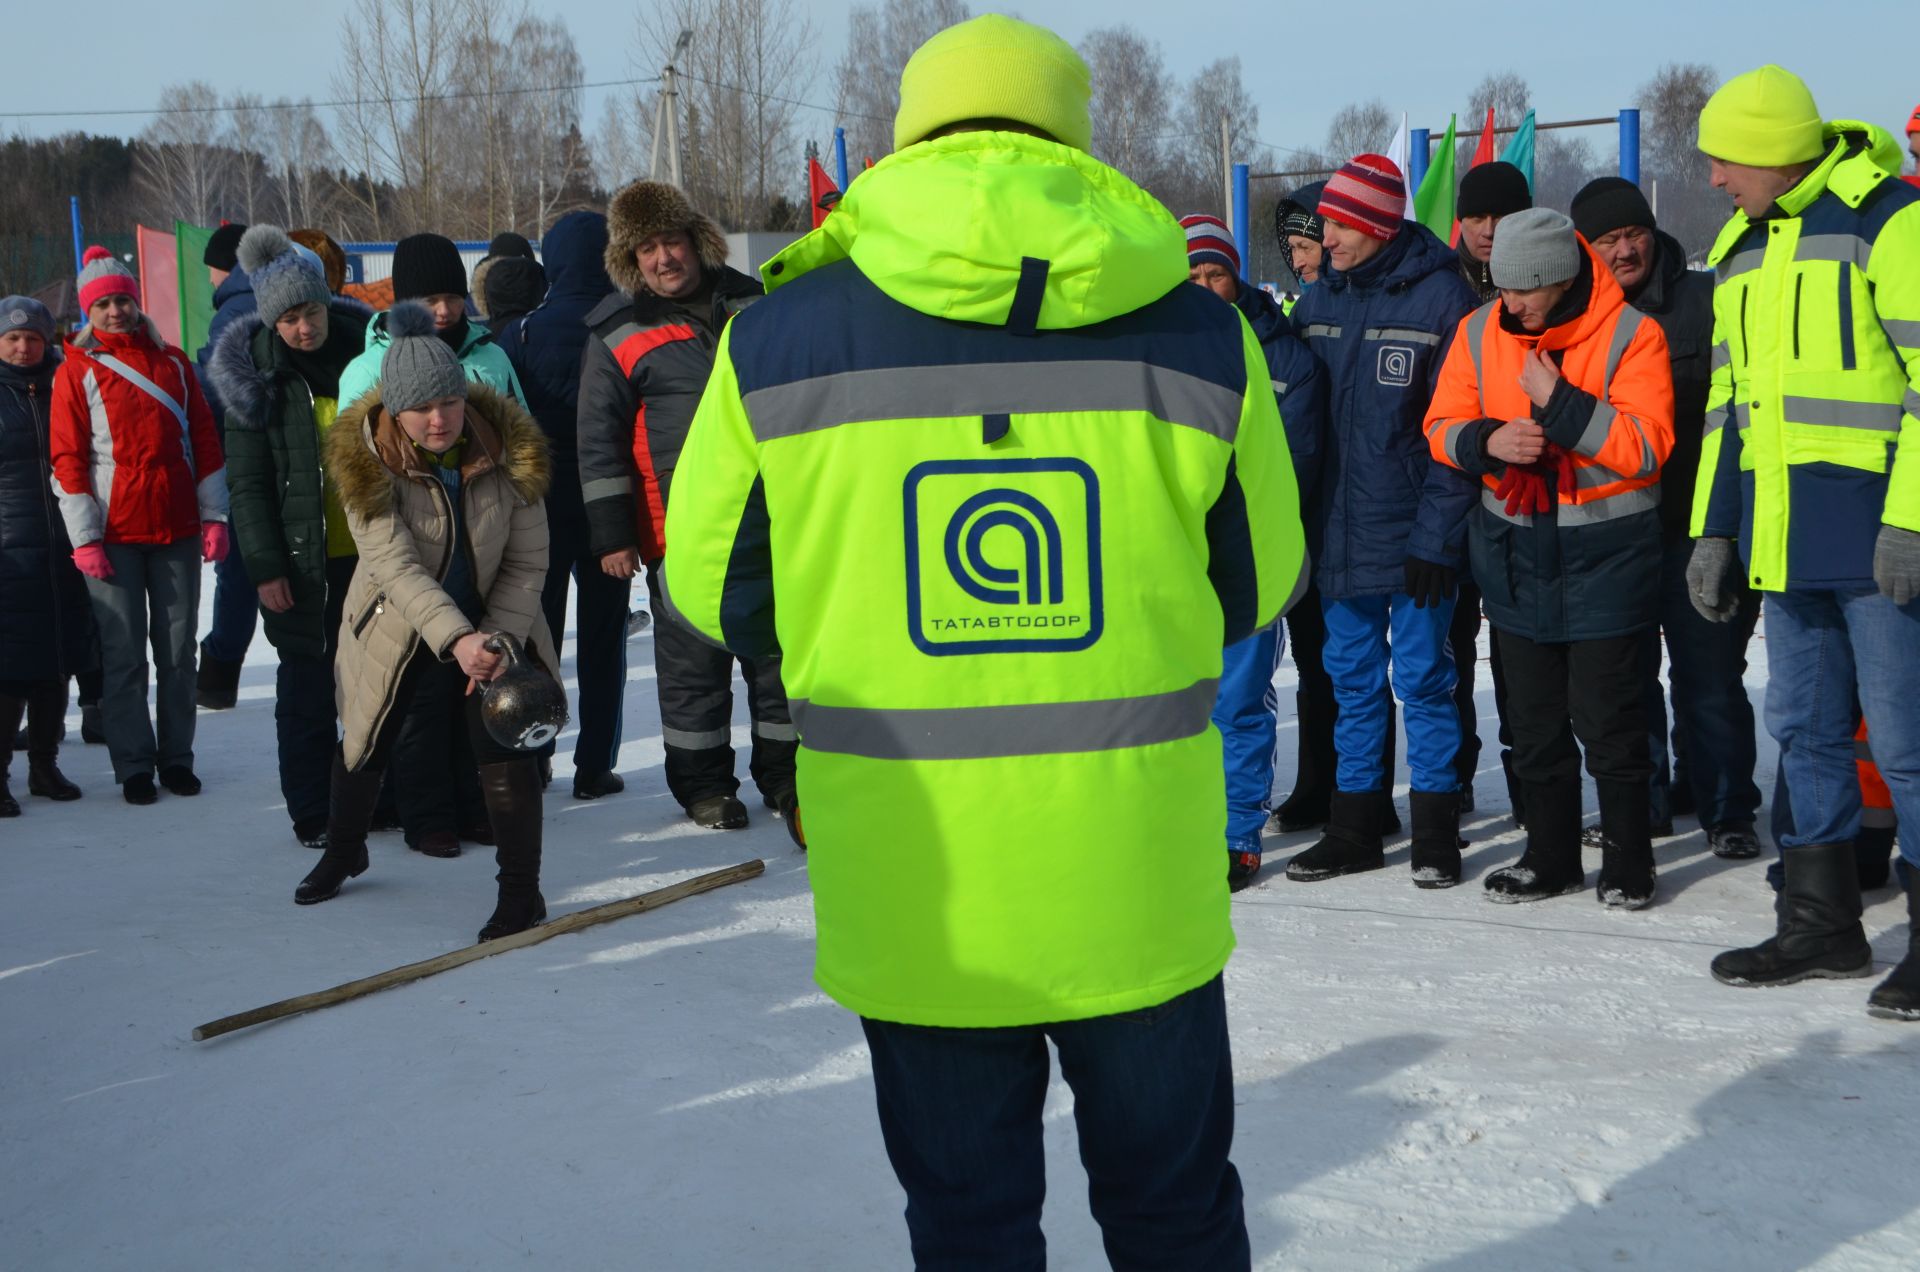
46	726
1873	856
1308	806
217	683
1351	844
10	712
1898	996
1626	861
1818	934
1550	866
1436	838
1386	818
512	792
349	812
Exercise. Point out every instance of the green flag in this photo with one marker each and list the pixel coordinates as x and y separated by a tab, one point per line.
196	289
1519	151
1433	202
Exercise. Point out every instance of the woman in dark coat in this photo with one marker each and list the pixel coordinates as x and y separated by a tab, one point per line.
279	374
46	624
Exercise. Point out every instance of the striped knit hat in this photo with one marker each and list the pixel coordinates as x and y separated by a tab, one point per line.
1368	194
102	274
1209	239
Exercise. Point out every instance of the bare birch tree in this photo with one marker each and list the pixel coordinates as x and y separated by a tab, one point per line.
880	39
180	167
1132	106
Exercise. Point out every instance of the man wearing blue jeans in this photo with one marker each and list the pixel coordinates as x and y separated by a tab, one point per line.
1812	460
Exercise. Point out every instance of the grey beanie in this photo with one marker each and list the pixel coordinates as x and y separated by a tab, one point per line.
282	278
24	311
1534	248
418	366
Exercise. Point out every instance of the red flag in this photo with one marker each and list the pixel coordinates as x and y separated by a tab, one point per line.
159	280
819	186
1482	153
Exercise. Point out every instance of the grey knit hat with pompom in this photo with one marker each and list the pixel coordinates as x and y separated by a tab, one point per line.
282	277
418	367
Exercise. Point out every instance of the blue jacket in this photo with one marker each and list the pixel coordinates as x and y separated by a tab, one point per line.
1299	385
1381	332
232	301
545	345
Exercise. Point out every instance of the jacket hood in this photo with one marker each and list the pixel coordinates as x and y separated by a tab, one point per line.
943	227
1413	254
244	387
236	283
366	450
1263	312
1858	158
574	254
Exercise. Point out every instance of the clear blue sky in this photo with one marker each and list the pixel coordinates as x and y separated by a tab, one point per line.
1303	61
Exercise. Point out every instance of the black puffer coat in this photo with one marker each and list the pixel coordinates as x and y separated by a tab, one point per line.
46	622
1681	301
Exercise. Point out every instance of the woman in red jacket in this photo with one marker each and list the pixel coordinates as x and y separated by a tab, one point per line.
142	487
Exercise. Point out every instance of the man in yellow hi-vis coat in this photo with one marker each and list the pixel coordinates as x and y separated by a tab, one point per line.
1001	486
1811	461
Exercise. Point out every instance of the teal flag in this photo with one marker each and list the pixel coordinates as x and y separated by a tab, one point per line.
1519	151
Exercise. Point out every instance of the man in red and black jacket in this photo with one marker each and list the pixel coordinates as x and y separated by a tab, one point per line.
640	379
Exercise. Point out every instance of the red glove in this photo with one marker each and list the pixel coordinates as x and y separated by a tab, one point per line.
1525	490
214	541
1568	473
92	560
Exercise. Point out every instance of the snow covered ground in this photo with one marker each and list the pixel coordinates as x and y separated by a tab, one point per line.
1426	1081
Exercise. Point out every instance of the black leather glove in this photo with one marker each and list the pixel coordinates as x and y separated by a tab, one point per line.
1430	583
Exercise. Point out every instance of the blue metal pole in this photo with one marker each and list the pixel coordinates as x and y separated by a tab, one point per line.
1242	221
1419	157
1630	145
79	236
840	158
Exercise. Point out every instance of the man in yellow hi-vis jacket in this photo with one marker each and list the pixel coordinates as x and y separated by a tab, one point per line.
1001	487
1812	462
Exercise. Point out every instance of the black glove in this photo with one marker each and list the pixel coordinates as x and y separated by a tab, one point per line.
1429	583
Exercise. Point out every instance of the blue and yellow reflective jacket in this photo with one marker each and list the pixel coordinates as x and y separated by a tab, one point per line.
1000	484
1816	364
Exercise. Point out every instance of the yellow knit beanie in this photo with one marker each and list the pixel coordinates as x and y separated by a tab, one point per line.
1765	118
995	67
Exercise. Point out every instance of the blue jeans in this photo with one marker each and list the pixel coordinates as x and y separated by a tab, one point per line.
1713	735
1153	1103
1364	635
1825	648
236	609
1247	712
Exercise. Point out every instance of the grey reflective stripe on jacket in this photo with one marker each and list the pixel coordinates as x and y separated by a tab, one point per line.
1039	728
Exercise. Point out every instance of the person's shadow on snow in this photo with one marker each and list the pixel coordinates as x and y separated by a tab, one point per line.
1789	1162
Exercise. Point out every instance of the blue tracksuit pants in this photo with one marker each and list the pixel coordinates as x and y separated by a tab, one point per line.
1374	642
1246	711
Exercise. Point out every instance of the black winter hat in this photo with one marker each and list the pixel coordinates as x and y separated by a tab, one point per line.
1606	204
1299	213
223	249
514	285
1493	189
427	265
510	244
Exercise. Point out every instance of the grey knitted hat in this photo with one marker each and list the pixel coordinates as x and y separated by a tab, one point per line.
282	277
418	366
24	311
1534	248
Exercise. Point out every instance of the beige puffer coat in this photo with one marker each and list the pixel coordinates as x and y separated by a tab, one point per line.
401	522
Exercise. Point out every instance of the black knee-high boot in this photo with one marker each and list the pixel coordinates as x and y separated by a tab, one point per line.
10	710
46	722
512	792
350	804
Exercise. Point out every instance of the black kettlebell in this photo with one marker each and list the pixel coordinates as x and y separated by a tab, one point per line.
524	708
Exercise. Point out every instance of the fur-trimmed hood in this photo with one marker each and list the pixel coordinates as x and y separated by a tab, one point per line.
367	451
244	387
646	208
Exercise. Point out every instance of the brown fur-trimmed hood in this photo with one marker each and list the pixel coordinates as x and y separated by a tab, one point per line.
646	208
366	450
